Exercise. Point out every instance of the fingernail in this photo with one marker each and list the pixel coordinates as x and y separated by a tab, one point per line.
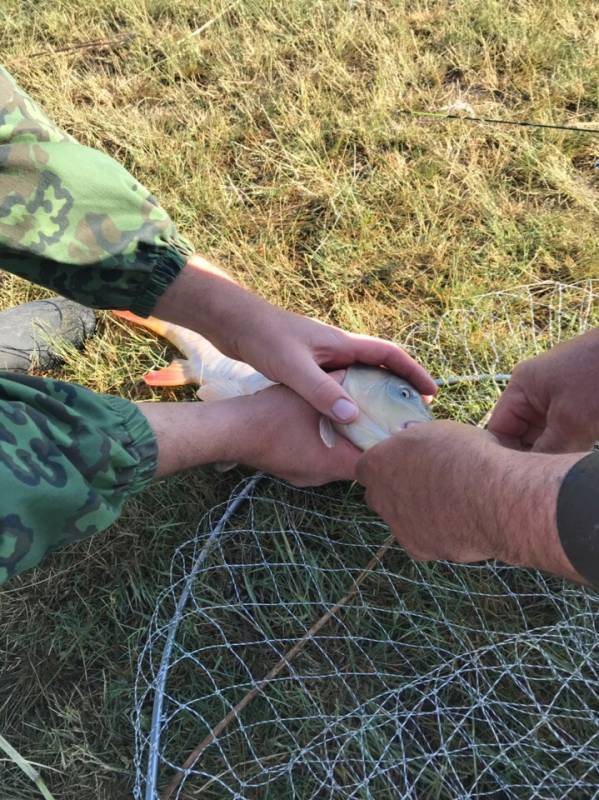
344	410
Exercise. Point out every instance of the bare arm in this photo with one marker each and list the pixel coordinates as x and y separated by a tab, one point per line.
287	348
193	434
525	493
274	430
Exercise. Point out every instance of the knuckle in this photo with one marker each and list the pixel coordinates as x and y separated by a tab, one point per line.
524	368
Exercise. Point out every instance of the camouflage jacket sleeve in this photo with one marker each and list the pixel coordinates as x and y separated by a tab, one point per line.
68	461
74	220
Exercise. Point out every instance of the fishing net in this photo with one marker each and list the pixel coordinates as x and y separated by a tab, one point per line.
299	653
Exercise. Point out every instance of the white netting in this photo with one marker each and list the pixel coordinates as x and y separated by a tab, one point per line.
429	681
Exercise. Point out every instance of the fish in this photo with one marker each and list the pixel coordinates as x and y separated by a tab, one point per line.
387	403
217	376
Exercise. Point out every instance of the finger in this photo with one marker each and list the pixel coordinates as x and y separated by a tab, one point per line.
512	415
511	442
387	354
531	435
550	441
321	390
338	375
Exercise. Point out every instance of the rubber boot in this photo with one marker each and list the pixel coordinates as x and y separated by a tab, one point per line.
29	334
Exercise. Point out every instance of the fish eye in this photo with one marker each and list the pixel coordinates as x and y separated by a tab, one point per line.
405	393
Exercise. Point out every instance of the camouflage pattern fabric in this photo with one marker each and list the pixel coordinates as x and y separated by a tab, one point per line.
69	459
74	220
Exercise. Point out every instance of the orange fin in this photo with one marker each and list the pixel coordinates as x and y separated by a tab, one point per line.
151	323
129	316
176	374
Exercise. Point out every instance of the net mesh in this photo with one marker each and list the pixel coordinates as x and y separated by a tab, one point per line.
299	653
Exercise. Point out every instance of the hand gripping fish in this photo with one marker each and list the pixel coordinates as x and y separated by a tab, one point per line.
387	403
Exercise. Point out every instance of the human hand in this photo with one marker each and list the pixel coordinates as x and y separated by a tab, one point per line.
451	491
286	347
425	484
281	436
273	430
551	403
295	351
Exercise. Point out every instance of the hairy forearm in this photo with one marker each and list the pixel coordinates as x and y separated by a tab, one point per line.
452	491
521	509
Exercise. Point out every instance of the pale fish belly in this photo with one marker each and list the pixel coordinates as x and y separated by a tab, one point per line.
388	404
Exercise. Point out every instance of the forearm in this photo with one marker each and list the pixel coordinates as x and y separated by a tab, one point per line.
521	510
77	222
206	299
194	434
274	431
452	491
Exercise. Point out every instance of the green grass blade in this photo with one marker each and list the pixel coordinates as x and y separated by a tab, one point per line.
27	768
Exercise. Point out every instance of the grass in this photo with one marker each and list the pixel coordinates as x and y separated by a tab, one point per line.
274	138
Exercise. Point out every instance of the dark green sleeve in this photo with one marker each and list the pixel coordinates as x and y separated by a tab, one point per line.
68	461
74	220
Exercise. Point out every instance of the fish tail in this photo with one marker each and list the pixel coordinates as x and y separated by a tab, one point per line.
153	324
178	373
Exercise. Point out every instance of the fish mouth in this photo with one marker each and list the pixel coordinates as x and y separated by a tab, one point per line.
411	422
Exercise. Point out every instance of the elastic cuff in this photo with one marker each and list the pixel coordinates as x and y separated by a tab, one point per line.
140	442
166	262
578	517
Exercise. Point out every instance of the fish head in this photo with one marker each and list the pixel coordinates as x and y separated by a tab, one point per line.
387	403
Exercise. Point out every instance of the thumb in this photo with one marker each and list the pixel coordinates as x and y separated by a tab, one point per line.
551	441
512	413
322	391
